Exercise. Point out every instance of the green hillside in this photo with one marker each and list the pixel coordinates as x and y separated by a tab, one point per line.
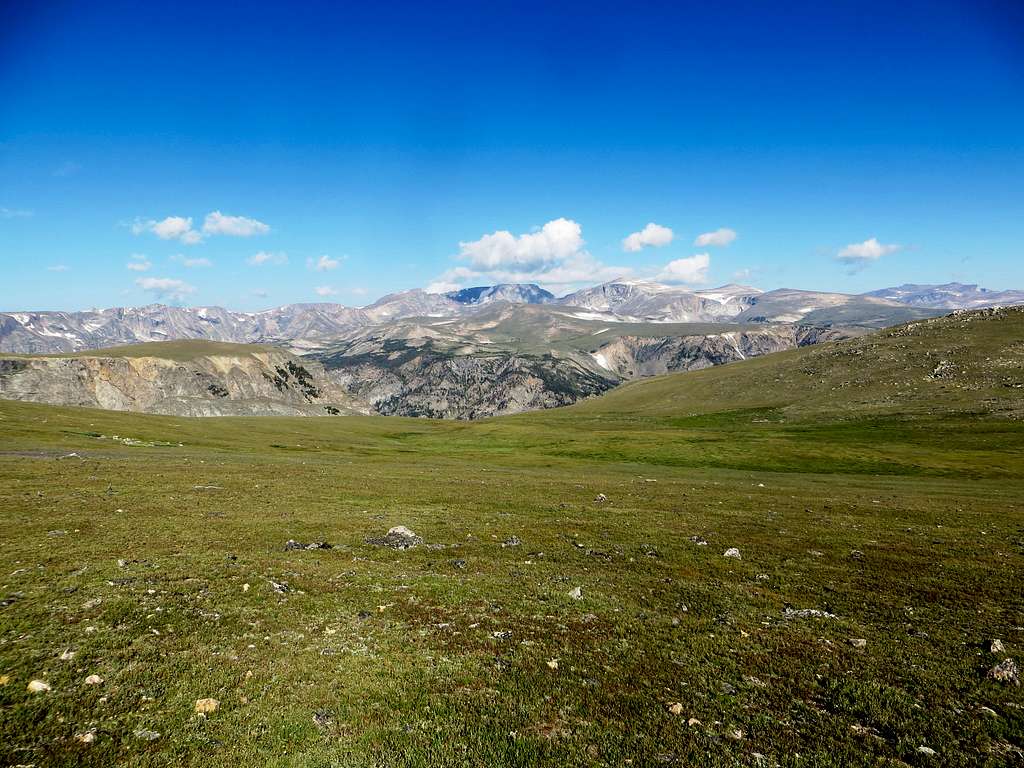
853	484
967	363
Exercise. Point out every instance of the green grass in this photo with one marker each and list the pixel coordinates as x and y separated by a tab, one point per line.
904	521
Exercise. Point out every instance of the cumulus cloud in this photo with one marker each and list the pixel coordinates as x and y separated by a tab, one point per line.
217	223
557	240
553	256
171	228
165	287
264	257
323	264
653	235
720	237
325	290
58	268
138	263
861	254
693	269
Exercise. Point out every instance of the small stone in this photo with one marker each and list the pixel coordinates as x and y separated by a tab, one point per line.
121	562
693	722
1005	672
38	686
858	642
577	594
398	537
86	738
735	734
675	708
996	646
511	541
552	663
600	498
205	706
245	587
147	735
90	604
94	680
322	719
90	630
68	655
926	751
733	552
5	679
988	711
459	564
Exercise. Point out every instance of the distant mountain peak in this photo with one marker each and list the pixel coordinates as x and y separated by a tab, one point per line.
517	293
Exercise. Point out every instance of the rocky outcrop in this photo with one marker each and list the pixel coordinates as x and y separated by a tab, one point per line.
637	356
400	380
265	382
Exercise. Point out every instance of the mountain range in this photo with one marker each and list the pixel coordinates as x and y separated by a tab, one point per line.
465	354
317	326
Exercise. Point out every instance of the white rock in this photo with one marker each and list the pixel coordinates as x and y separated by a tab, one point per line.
205	706
86	738
38	686
997	646
94	680
926	751
733	552
68	655
577	594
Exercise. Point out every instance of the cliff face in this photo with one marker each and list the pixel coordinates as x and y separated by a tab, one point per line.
255	383
635	356
416	382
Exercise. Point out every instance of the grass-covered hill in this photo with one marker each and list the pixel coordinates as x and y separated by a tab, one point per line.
968	362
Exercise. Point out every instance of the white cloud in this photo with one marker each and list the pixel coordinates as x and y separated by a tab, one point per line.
138	263
58	268
325	290
720	237
653	235
260	293
693	269
216	223
14	213
552	256
165	287
557	240
358	291
861	254
323	264
171	228
193	263
264	257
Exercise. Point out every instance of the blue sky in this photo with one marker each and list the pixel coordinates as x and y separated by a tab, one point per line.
353	150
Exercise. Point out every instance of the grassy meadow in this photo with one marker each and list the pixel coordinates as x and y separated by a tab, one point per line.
614	633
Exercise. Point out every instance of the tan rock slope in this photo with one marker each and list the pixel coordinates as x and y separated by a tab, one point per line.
188	378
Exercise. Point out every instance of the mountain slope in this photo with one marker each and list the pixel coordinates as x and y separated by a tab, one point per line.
965	362
949	296
190	378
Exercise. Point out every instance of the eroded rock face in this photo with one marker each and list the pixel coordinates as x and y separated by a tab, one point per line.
638	356
257	383
418	382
